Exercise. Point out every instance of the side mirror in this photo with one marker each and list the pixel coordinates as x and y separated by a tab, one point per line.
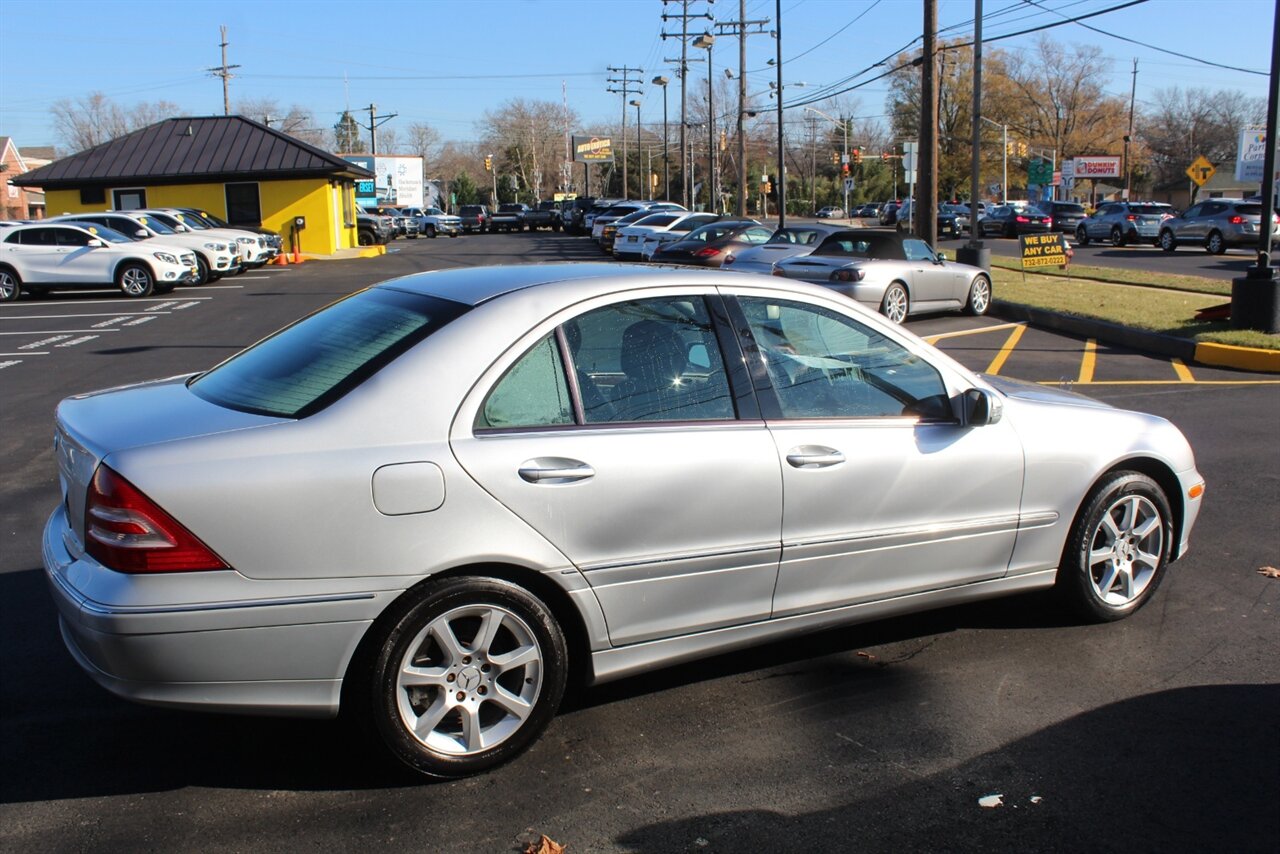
981	408
140	233
95	243
942	256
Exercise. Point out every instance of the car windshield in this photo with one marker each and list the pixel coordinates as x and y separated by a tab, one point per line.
796	236
310	364
191	222
102	232
1249	210
692	222
656	219
213	220
433	212
715	231
156	225
868	245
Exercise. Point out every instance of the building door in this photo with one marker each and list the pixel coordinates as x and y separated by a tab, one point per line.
132	199
243	206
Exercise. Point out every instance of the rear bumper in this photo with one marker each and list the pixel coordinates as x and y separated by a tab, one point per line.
253	648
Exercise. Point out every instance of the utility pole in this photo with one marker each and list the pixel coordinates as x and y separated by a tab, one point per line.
683	35
739	28
375	121
666	162
224	71
626	81
782	165
974	253
925	206
1133	94
706	41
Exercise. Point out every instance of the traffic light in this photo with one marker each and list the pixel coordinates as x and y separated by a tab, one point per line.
488	164
835	157
857	155
724	140
1010	148
844	168
884	155
1022	149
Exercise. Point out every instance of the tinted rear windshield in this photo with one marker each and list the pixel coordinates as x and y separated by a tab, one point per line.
307	366
1063	208
1249	210
1149	209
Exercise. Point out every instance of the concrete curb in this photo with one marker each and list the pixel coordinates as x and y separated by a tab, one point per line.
1218	355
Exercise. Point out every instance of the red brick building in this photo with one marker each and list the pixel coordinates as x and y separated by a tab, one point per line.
21	202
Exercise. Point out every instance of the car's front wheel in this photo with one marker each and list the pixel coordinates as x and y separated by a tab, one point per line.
979	297
1214	243
1082	236
467	676
894	305
1167	241
431	231
135	280
202	270
1118	548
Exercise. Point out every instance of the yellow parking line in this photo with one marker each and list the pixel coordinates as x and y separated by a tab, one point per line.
934	339
998	362
1088	361
1165	382
1183	372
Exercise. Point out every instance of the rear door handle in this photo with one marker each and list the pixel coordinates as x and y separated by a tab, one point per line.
552	470
814	457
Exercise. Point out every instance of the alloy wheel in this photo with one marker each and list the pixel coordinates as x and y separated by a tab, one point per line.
1126	549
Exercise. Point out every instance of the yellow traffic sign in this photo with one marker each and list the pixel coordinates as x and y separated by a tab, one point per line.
1201	171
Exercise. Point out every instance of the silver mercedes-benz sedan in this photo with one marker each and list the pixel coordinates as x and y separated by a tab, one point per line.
431	501
895	273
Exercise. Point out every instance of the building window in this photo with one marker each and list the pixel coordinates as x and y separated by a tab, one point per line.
93	196
348	192
131	199
243	207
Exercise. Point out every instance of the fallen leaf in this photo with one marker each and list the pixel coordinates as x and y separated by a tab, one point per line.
545	845
990	802
1269	571
1035	799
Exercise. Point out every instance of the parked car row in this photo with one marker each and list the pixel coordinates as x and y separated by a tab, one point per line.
139	251
410	222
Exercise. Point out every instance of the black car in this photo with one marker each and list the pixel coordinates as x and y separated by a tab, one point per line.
474	218
372	229
1011	220
1064	216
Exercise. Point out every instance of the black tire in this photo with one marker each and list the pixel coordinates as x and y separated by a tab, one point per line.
135	279
1117	236
525	623
431	232
1214	244
1082	236
365	238
978	302
453	234
1009	230
202	270
1167	241
1080	578
10	285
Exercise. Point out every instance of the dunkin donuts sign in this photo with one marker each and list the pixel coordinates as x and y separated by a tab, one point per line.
1097	167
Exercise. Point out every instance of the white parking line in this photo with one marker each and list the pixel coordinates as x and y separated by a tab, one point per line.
74	341
44	342
185	305
138	321
45	305
57	331
220	288
163	305
252	278
65	316
114	320
10	364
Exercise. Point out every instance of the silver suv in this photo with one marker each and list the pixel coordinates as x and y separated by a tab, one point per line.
1215	224
1124	222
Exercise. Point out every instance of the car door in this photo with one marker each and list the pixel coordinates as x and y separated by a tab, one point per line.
80	262
931	279
643	462
40	255
885	492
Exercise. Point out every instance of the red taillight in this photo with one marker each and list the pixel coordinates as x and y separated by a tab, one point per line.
847	276
778	272
128	532
707	252
1236	220
1131	218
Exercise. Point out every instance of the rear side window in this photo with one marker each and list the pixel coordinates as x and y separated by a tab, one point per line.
307	366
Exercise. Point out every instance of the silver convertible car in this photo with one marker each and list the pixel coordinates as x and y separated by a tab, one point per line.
896	274
431	501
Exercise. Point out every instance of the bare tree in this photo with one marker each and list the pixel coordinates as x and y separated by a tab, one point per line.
423	142
528	138
297	121
1186	123
88	121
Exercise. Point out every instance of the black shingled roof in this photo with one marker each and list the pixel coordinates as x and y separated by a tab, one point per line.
193	149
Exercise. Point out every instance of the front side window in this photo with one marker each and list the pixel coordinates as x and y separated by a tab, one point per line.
823	364
917	250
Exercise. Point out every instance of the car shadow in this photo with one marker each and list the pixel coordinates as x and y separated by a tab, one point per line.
1188	769
73	739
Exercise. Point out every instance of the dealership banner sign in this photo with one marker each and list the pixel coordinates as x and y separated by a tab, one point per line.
1096	167
592	149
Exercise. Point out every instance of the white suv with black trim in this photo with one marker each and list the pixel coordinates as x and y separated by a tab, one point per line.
61	255
215	256
254	251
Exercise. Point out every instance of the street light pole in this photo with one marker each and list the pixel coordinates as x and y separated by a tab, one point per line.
636	104
666	165
706	40
844	126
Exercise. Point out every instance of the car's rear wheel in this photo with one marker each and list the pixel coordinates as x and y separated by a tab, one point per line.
895	304
1082	236
467	676
979	297
10	285
135	280
1167	241
1117	236
1215	244
1118	548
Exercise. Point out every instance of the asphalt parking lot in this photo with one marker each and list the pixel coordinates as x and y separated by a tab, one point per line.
1156	733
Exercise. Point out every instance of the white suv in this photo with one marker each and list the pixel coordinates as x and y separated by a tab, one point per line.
254	251
41	258
215	256
433	221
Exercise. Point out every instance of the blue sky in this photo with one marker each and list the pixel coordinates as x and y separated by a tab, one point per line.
445	63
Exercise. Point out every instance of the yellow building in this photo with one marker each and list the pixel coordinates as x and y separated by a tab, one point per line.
233	167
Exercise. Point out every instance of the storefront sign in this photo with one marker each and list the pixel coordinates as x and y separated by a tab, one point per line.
1096	167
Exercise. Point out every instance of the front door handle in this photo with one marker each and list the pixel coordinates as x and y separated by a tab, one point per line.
814	457
552	470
